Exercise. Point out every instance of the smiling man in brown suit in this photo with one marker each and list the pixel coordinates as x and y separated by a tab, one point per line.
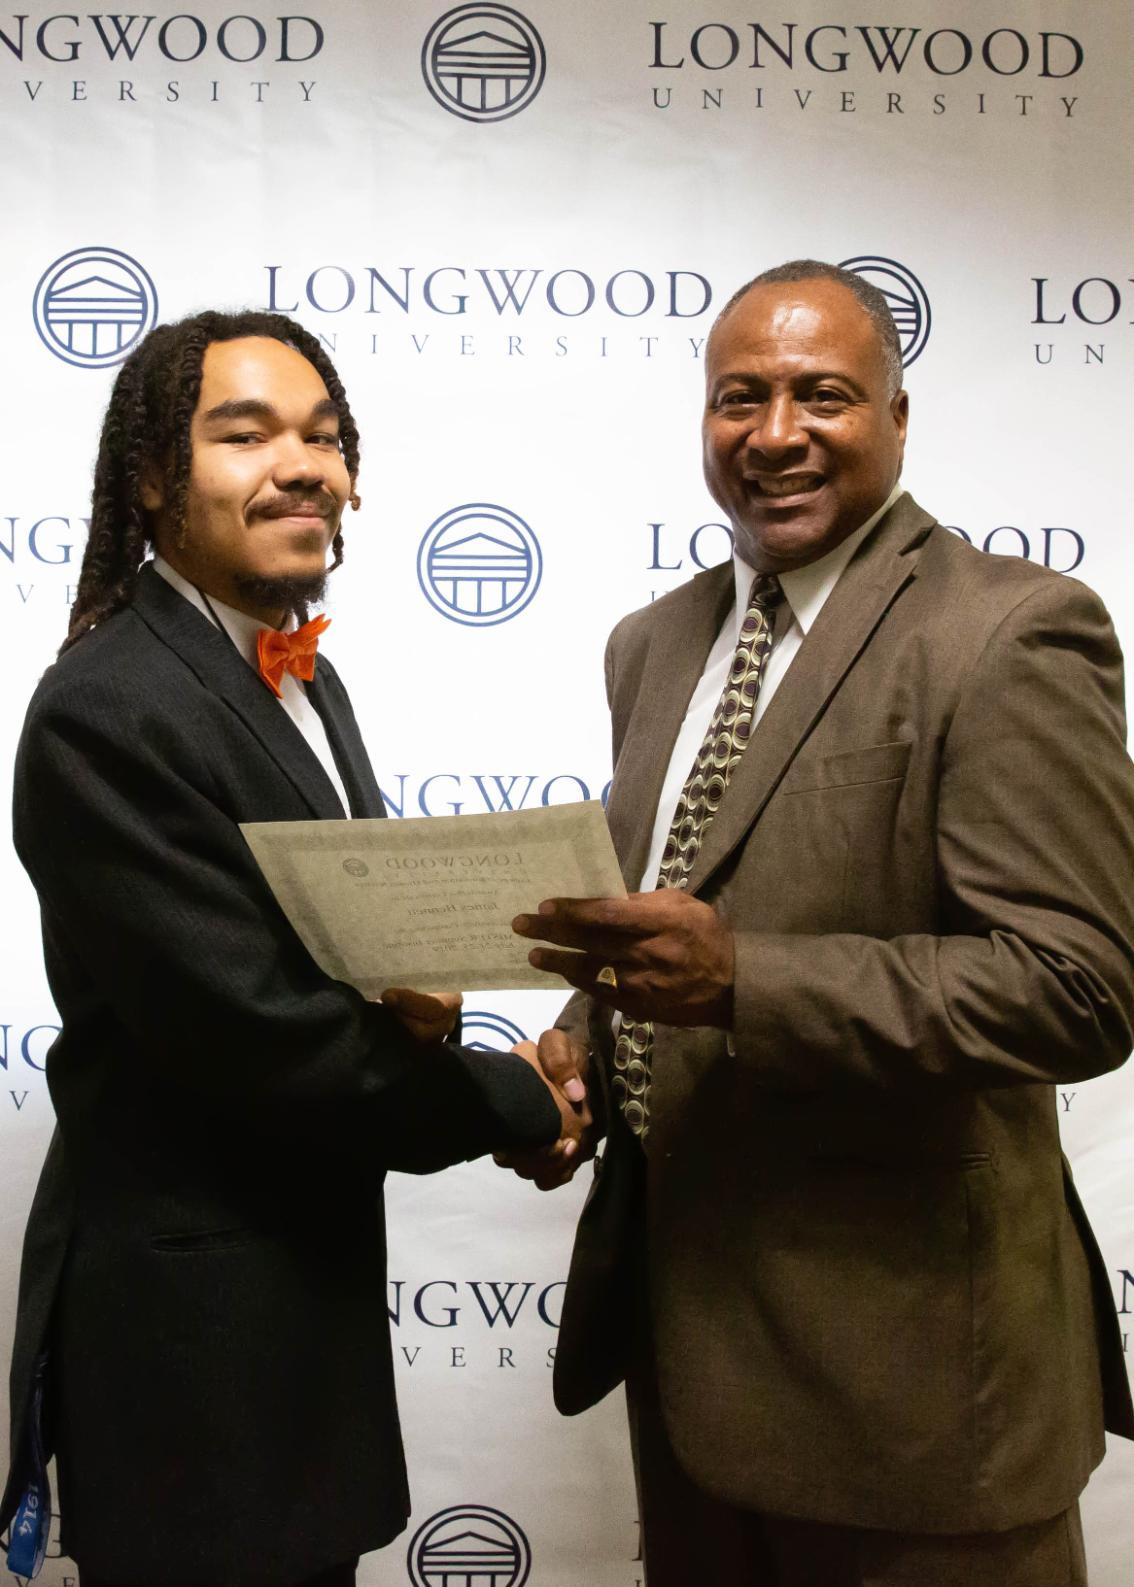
834	1249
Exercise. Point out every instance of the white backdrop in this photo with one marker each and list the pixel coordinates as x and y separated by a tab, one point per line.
517	298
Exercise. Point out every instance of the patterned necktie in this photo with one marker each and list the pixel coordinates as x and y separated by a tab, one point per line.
700	799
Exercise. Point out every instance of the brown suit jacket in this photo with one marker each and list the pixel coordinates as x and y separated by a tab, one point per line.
875	1297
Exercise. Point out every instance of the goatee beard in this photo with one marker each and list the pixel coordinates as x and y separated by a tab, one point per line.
290	595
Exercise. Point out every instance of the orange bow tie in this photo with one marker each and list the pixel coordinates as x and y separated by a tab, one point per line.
277	652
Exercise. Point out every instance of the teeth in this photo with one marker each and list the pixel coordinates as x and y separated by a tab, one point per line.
792	485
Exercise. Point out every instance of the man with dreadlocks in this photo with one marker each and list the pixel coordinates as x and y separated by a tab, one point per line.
202	1333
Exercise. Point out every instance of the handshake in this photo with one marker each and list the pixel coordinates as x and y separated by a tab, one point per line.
560	1063
660	956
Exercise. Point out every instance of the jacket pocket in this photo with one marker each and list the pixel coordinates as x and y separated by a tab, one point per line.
850	768
191	1240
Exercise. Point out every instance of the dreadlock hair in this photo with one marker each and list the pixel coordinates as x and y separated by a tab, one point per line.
147	428
869	297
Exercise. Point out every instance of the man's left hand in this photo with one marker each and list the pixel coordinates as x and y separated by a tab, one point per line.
428	1016
672	956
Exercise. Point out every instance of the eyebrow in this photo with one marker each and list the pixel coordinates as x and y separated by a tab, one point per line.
746	377
253	408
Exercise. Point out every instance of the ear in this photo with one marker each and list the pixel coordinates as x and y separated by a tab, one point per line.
153	490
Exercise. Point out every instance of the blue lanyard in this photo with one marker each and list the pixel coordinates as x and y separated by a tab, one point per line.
31	1524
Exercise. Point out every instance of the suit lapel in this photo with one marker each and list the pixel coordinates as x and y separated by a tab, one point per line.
328	697
675	660
884	563
211	657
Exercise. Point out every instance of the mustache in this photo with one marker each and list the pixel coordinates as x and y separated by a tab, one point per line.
289	502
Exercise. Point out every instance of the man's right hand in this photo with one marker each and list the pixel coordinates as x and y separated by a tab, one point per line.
562	1064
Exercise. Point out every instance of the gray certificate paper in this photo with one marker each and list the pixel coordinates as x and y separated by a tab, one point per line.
429	903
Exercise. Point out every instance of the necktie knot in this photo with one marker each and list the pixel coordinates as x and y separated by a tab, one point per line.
277	652
766	591
758	621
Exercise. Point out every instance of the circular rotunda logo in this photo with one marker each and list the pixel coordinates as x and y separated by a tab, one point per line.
92	305
469	1544
479	564
489	1032
484	62
906	296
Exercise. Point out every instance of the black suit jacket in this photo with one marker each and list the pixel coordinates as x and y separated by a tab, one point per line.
205	1256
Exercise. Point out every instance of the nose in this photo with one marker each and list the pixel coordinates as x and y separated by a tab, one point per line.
777	430
296	463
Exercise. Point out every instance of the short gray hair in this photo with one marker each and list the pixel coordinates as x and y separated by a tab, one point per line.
868	296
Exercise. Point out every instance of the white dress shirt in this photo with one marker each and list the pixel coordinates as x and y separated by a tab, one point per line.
806	591
242	630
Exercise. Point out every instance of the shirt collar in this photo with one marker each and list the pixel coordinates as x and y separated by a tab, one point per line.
807	589
240	628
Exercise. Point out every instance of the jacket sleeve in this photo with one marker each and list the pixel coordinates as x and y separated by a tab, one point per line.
1032	975
154	911
586	1022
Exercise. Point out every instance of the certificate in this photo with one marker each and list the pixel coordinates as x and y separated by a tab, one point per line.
428	903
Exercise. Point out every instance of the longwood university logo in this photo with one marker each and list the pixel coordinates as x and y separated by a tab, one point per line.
92	305
469	1545
479	564
486	1032
483	62
906	296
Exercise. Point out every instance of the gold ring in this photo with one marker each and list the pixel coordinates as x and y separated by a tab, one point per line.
607	977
